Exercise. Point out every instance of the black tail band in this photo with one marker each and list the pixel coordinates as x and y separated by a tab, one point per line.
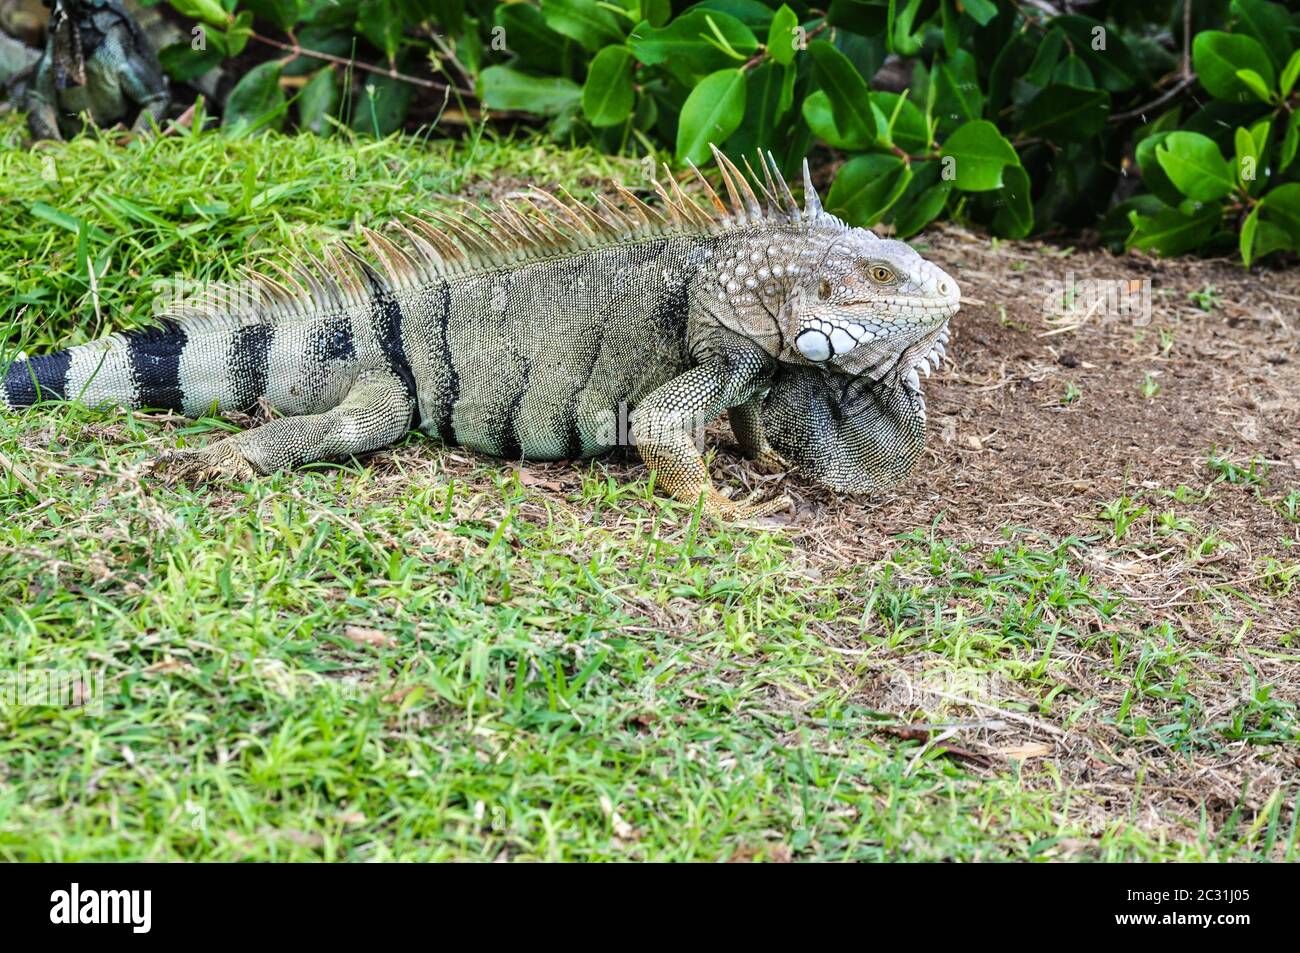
31	380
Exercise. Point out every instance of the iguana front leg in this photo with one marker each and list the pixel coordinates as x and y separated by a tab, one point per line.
747	425
375	412
664	424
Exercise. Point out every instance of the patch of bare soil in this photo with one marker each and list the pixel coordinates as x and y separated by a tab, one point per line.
1039	420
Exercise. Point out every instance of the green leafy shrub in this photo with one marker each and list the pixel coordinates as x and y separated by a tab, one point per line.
996	113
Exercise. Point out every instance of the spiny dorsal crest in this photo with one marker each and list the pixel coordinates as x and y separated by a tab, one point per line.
529	227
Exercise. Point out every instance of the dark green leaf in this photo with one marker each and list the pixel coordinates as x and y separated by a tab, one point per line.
949	20
1015	215
257	102
867	54
285	14
607	96
1069	113
380	105
958	98
1290	140
1153	176
1011	63
1217	57
1259	238
847	92
783	35
584	21
536	45
448	14
1172	231
863	17
923	211
380	22
820	118
981	11
688	48
1115	226
1105	51
322	38
767	101
753	13
185	64
646	113
1267	22
1073	71
657	12
975	156
469	50
1282	206
239	33
904	40
1195	166
1048	54
922	200
500	87
866	187
712	112
908	131
318	100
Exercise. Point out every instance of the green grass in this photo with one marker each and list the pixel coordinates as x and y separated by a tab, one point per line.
428	656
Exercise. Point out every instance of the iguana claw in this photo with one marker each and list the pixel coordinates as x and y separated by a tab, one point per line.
212	464
731	511
769	458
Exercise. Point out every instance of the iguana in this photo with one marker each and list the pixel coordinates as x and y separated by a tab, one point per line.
527	332
98	61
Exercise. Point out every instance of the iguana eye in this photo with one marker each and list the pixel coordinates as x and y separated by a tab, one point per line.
824	290
881	274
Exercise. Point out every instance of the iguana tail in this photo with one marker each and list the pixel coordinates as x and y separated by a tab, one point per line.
197	367
298	342
132	369
136	369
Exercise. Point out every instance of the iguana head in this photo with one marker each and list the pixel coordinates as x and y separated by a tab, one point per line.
815	291
868	305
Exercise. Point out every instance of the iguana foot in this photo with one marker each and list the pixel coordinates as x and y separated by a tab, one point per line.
219	462
770	459
732	511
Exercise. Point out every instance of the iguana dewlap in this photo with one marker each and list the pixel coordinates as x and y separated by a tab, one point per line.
531	331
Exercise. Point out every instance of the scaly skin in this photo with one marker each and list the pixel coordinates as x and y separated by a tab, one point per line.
588	331
97	62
